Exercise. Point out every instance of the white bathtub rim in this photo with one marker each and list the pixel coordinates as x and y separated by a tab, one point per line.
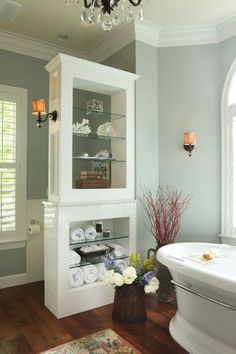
193	340
202	273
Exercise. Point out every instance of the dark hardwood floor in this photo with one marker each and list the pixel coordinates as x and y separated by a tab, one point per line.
27	327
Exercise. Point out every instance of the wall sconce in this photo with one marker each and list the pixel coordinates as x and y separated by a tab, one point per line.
39	110
189	142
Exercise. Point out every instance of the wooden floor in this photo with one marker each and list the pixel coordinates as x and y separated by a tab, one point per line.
27	327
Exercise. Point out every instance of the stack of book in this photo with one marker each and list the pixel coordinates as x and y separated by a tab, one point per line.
92	179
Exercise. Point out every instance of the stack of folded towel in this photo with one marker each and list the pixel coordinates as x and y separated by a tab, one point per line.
74	258
76	277
90	273
119	250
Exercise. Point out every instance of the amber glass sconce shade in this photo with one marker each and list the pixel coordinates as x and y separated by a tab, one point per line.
39	110
189	142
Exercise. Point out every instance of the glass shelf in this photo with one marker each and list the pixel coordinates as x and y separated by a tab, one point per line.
113	236
97	261
94	158
98	115
98	137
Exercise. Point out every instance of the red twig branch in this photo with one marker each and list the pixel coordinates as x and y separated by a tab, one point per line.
164	211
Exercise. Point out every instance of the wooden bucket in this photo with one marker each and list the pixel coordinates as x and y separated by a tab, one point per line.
129	304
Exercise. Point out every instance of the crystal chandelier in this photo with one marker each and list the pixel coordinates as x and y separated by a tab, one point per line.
108	12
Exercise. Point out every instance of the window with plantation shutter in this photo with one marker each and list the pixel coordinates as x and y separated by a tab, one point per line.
13	120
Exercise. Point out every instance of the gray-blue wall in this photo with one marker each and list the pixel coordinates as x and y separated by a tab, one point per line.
189	100
29	73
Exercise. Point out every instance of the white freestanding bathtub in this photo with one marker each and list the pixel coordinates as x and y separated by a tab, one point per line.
205	321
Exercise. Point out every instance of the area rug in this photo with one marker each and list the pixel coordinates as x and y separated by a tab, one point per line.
103	342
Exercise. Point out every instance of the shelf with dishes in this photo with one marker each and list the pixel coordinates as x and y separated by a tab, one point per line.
96	158
97	114
99	137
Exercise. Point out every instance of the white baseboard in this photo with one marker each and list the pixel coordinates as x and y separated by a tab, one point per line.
13	280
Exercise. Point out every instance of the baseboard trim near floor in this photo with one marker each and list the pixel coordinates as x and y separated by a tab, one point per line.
13	280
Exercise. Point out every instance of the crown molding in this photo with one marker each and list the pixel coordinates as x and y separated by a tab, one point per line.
146	32
128	32
226	28
186	36
113	42
31	47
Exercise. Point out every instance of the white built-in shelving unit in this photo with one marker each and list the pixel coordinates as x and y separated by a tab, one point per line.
70	204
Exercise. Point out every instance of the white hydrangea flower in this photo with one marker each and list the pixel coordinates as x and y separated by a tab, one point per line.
149	289
154	282
118	279
109	277
129	275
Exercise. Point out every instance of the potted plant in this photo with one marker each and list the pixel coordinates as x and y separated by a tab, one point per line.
164	210
131	284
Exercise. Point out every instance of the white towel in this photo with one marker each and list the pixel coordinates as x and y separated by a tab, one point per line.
101	271
95	247
77	234
76	277
119	250
90	232
74	258
86	249
122	264
90	273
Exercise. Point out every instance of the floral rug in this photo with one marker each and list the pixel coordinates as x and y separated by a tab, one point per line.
103	342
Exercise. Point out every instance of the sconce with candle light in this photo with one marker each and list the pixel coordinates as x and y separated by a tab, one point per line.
39	110
189	142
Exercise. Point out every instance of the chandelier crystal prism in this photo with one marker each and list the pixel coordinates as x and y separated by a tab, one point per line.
108	13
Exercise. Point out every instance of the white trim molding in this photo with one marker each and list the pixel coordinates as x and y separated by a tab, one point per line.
187	36
32	47
226	28
13	280
146	32
9	245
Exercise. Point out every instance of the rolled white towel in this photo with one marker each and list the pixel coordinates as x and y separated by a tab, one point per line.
101	271
119	250
95	247
74	258
122	264
76	277
77	234
90	273
90	232
86	249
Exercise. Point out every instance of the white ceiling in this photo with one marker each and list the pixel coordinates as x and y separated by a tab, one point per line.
45	19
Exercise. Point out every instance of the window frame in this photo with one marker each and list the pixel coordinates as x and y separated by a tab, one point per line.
18	238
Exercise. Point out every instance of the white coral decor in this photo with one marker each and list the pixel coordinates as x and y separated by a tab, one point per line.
81	128
129	275
152	286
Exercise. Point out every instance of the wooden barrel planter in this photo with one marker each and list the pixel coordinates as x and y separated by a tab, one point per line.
129	304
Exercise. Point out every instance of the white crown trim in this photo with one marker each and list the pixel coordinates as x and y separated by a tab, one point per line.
184	36
226	28
113	43
146	32
31	47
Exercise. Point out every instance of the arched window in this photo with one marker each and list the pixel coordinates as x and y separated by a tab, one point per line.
228	127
